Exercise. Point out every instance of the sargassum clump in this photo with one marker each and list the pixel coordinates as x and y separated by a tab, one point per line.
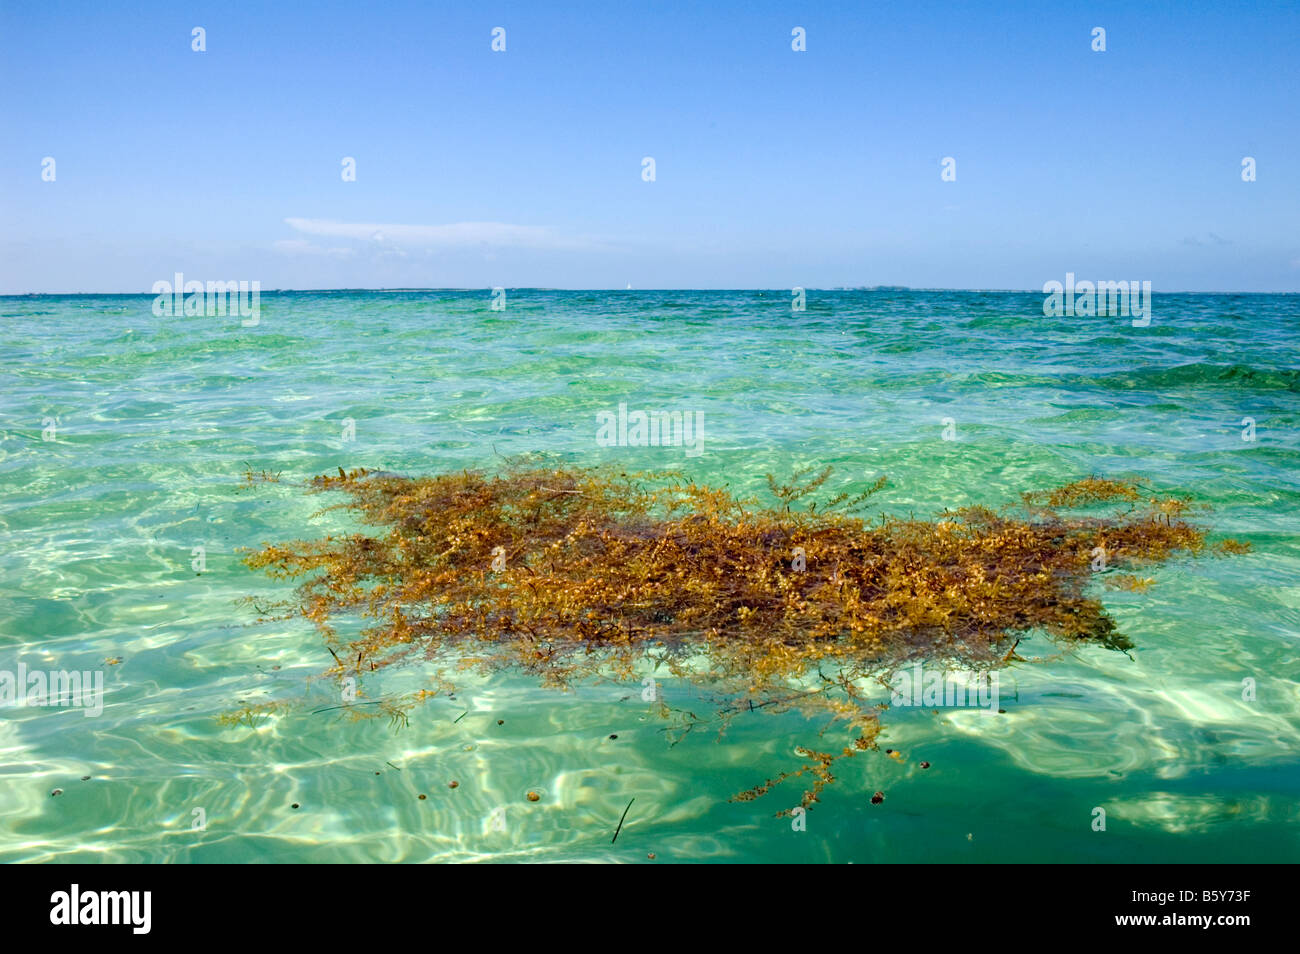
573	574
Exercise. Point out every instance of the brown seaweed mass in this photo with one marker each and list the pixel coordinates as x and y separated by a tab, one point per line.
572	574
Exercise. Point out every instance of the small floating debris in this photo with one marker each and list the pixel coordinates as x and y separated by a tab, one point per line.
85	778
453	784
877	798
620	821
423	796
57	791
534	797
651	856
295	805
501	721
925	765
613	736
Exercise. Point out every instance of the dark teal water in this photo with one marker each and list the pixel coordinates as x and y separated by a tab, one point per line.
155	419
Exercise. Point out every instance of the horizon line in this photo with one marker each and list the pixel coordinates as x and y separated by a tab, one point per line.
545	288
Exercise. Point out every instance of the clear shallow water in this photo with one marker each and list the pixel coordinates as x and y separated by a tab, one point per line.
157	419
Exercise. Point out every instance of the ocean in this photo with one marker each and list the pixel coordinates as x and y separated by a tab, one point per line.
124	516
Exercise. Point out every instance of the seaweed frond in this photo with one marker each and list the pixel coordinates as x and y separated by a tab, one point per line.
253	716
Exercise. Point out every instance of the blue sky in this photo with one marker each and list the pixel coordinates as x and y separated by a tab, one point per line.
774	168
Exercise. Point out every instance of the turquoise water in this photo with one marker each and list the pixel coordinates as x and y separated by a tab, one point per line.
154	420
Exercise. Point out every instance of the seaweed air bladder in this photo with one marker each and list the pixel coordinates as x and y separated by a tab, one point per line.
573	574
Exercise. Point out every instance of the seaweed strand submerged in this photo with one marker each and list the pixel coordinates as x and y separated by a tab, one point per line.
573	574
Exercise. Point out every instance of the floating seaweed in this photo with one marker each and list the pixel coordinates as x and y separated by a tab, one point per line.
252	715
571	574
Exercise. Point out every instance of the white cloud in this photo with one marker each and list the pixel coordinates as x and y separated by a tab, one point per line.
303	247
458	235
